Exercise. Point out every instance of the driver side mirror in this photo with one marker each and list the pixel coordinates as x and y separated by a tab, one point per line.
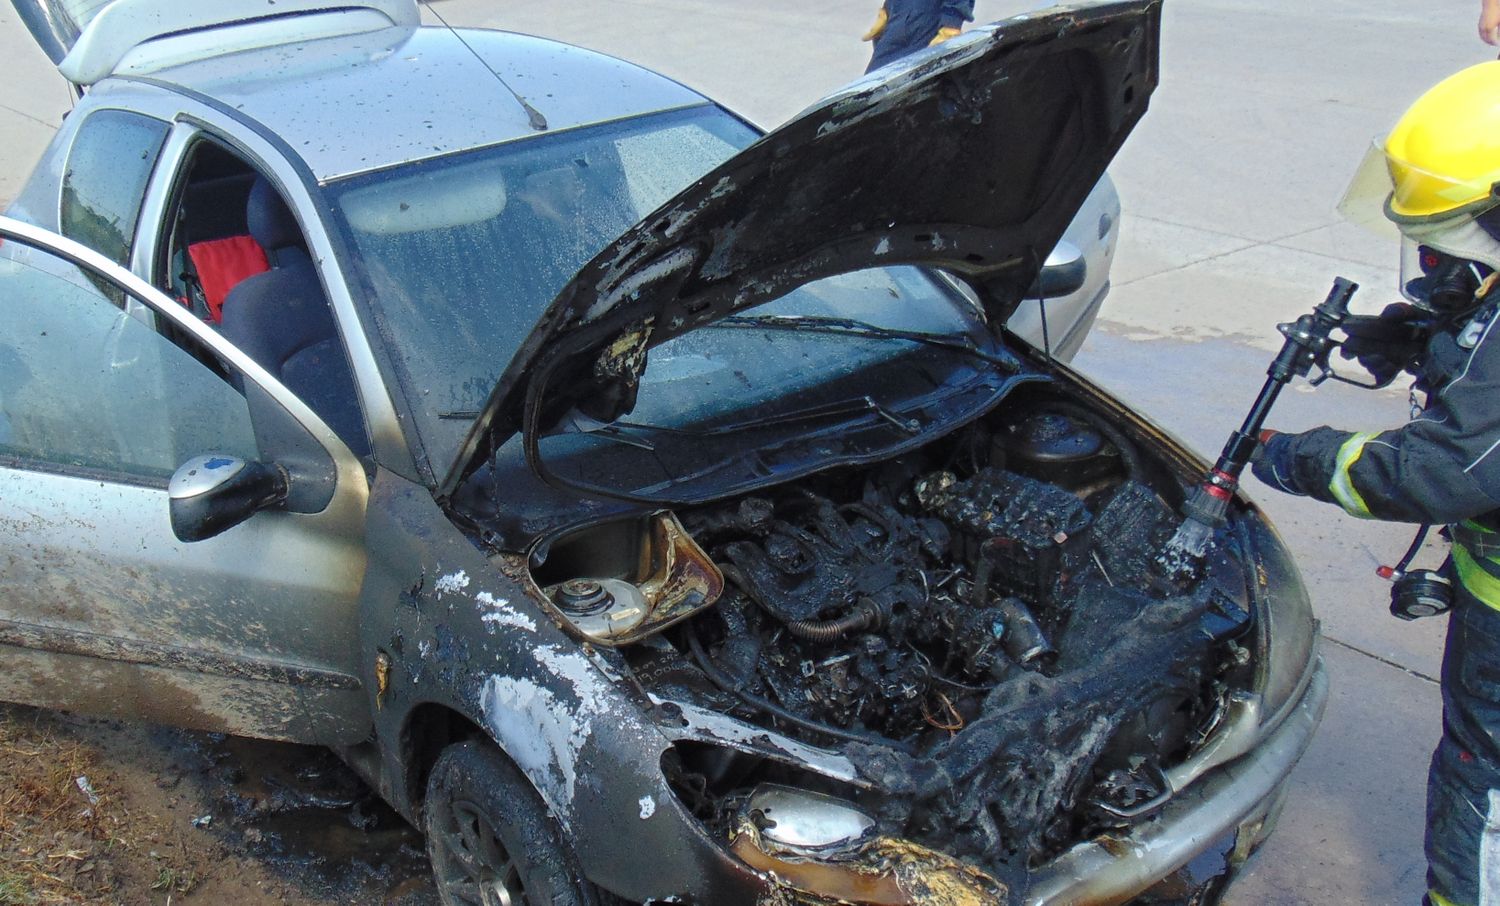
211	494
1063	273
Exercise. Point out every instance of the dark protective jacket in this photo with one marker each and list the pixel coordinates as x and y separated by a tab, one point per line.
1442	467
912	24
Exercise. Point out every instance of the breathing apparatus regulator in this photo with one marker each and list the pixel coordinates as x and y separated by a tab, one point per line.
1445	285
1434	180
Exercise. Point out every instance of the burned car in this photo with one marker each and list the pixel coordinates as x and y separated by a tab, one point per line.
759	564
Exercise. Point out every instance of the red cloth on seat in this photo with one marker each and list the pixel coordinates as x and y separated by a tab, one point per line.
221	263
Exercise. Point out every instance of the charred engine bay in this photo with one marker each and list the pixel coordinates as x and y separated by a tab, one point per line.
976	626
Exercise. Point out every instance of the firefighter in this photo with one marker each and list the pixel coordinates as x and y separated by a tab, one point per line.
906	26
1436	176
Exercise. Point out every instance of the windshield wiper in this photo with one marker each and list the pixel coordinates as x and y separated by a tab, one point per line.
1001	358
863	405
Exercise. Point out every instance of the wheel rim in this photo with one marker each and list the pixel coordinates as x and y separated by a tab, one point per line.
474	866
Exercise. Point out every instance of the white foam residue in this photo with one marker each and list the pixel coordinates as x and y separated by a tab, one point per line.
648	807
631	285
488	600
540	732
498	612
701	722
543	732
452	584
573	666
507	618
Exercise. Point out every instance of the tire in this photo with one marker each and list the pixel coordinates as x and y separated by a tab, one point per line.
490	838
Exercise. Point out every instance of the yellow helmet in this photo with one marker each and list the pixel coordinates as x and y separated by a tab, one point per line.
1440	161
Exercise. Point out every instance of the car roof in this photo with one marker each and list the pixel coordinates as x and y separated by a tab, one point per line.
363	102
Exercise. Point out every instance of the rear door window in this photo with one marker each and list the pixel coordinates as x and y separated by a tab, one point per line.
105	181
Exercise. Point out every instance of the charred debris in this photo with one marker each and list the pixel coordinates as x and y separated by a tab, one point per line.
976	627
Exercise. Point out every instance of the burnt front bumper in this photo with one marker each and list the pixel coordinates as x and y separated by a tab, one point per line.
1237	798
1228	807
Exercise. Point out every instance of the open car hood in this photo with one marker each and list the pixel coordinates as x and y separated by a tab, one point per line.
972	157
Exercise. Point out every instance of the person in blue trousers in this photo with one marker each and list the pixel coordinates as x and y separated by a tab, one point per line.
906	26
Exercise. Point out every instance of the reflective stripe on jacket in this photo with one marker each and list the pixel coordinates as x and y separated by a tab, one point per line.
1476	557
1442	467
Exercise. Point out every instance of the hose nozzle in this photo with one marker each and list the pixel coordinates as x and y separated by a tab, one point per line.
1307	343
1204	511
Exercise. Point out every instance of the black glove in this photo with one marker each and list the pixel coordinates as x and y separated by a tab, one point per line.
1389	343
1272	462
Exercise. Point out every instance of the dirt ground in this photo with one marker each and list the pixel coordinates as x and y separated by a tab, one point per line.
101	811
95	811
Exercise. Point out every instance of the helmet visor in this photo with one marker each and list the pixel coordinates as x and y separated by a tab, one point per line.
1369	188
1386	191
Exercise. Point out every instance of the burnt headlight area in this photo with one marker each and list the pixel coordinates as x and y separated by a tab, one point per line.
976	626
812	833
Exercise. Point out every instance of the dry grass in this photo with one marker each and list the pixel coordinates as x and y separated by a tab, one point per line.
60	842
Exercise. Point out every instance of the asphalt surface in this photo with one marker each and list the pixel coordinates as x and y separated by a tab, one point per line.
1228	188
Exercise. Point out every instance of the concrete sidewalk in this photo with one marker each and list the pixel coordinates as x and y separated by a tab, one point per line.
1228	189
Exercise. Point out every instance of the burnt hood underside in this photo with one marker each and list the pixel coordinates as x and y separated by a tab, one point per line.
973	159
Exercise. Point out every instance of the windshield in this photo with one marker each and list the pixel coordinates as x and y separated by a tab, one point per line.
841	370
461	254
780	357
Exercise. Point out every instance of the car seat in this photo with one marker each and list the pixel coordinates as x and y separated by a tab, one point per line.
211	229
221	264
282	320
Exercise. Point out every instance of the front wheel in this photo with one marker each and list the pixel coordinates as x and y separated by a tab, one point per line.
490	838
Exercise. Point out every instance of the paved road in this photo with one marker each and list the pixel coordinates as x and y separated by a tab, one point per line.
1228	188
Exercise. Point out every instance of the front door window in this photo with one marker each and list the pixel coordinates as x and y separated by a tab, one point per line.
84	385
103	608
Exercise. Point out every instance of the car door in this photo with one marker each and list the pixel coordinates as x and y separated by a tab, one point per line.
106	387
